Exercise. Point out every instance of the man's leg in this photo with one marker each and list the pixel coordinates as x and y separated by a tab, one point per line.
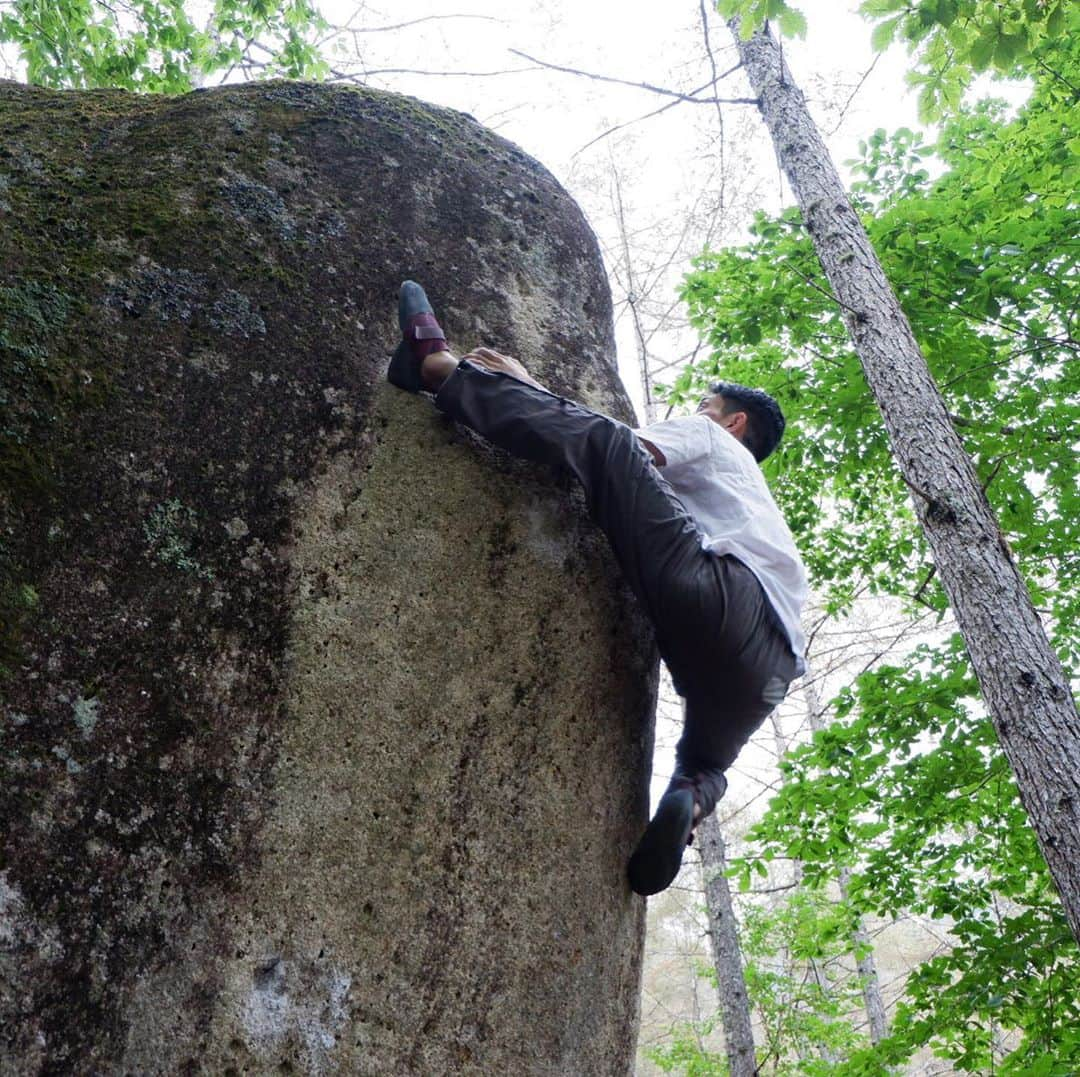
731	674
751	667
655	540
703	619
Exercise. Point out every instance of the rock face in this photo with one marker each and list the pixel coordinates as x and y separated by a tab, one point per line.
325	727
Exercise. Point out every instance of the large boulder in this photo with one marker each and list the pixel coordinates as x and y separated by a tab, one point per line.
325	727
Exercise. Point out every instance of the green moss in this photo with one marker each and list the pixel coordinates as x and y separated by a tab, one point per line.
171	530
37	380
18	600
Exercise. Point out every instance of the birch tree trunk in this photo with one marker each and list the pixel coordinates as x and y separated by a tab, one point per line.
730	981
876	1017
1021	677
860	939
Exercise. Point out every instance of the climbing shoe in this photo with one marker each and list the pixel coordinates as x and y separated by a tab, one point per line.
658	856
421	335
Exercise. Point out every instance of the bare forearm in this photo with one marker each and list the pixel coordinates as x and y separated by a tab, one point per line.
490	359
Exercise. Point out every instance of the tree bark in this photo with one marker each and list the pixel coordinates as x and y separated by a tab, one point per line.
876	1017
1022	680
877	1020
730	981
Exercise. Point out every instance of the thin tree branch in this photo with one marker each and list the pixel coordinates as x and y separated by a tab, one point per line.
930	574
640	85
719	110
340	76
858	87
628	123
1058	76
825	292
347	29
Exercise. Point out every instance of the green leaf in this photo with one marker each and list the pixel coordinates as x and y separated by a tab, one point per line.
792	22
883	33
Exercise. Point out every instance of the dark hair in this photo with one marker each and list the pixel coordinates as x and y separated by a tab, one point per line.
764	419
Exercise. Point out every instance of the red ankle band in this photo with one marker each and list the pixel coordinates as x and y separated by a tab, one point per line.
425	336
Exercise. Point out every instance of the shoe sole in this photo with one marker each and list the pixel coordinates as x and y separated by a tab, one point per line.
658	856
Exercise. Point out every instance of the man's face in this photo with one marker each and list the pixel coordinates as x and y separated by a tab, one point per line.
713	406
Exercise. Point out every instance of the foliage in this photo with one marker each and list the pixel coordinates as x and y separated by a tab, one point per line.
951	40
908	788
801	987
802	984
156	45
687	1055
985	263
752	13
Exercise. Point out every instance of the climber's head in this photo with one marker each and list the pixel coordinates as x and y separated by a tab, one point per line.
749	415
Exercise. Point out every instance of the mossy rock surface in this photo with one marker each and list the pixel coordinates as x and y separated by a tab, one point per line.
325	727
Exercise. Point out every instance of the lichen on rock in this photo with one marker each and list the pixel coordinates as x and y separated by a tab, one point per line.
324	727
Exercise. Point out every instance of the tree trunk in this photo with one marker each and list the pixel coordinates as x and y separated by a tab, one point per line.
876	1017
1021	677
784	963
860	939
730	981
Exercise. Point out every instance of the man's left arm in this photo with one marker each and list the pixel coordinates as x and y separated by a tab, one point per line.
490	359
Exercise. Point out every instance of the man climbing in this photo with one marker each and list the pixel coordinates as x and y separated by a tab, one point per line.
703	546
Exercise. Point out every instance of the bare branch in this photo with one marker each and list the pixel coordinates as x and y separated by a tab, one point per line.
340	75
662	91
719	110
847	104
773	889
629	123
346	28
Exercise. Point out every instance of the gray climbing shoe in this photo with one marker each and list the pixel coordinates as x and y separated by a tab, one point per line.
421	335
658	856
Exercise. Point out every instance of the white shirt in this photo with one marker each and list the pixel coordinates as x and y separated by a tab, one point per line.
718	480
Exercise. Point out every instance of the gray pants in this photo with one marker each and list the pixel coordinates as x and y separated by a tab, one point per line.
728	656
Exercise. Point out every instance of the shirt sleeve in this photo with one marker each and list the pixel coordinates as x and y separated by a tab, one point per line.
682	441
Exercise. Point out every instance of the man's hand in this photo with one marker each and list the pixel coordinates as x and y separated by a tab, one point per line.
493	360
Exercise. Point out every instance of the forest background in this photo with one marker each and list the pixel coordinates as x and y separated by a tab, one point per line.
893	822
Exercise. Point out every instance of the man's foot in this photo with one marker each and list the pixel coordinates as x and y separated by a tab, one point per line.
421	334
658	856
